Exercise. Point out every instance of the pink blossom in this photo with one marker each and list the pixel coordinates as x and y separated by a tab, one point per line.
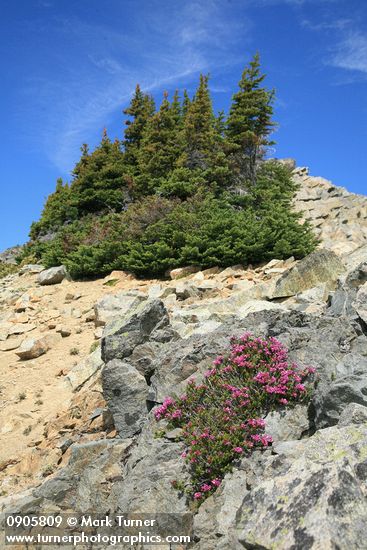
198	495
210	372
256	422
216	482
266	439
238	450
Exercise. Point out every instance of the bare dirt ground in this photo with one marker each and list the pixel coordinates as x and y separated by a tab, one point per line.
37	404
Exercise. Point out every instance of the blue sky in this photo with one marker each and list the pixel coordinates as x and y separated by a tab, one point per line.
68	68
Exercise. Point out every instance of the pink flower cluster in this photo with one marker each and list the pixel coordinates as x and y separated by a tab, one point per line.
222	417
163	410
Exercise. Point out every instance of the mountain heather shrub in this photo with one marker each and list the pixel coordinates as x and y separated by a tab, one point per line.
222	417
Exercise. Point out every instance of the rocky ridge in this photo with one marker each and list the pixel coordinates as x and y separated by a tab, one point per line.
96	445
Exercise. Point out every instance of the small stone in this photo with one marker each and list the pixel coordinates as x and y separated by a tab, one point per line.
31	268
174	435
90	316
10	344
63	330
98	333
183	271
20	328
31	349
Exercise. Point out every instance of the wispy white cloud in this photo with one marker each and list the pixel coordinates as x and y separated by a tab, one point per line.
337	24
347	44
351	52
99	67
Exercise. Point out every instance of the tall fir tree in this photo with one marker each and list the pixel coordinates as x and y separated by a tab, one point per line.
99	182
199	132
160	146
249	123
177	109
141	109
186	101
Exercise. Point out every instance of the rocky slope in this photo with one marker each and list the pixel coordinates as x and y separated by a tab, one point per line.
84	437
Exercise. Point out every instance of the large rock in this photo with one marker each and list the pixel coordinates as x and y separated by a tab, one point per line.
116	305
33	348
288	424
126	393
313	498
85	370
52	276
216	517
357	257
257	305
339	217
135	331
322	266
349	386
148	473
83	486
344	300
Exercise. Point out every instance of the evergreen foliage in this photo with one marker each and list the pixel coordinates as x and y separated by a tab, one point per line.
249	123
141	109
183	187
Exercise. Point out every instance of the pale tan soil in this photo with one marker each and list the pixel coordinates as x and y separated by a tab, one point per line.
35	397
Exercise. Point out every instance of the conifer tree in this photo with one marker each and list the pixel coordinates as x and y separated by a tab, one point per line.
250	123
185	103
99	182
199	131
57	210
160	147
177	109
141	109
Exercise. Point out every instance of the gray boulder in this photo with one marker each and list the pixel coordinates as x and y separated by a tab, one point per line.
147	475
126	393
85	370
52	276
139	328
342	300
114	306
331	398
322	266
313	499
288	424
